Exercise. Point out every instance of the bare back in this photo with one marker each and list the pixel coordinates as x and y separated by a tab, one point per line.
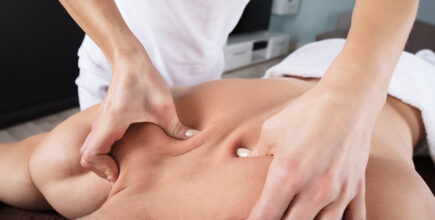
165	178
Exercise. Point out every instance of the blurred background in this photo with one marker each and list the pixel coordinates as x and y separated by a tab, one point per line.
39	43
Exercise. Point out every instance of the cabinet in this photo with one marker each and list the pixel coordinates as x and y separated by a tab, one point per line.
251	48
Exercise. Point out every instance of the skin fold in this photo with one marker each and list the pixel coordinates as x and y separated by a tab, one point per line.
201	178
356	83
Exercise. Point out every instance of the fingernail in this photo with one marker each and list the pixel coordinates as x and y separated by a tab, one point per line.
190	133
243	152
108	176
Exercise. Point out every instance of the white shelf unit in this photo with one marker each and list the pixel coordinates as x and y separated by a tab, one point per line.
251	48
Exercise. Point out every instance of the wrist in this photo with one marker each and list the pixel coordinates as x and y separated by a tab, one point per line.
356	73
367	64
131	66
124	46
128	51
132	57
370	101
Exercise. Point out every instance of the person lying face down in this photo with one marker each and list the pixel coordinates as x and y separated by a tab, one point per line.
203	177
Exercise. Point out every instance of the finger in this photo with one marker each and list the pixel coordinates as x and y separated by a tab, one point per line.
94	124
301	208
335	210
98	144
82	148
277	193
102	165
103	135
174	128
263	147
357	207
308	204
260	150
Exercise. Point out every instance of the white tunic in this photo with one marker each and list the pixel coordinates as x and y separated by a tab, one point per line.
184	39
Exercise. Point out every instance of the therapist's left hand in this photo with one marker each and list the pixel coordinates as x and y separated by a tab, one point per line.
320	145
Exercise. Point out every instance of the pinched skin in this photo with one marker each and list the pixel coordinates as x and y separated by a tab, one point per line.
202	178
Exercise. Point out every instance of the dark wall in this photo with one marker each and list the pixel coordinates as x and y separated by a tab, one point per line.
256	17
38	59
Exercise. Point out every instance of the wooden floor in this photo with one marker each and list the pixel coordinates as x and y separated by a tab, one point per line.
44	124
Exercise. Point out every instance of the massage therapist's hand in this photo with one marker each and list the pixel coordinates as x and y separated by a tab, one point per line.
137	93
320	145
321	141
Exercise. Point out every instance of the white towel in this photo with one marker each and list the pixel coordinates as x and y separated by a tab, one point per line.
413	81
427	55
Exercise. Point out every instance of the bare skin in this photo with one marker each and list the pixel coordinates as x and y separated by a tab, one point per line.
137	92
201	178
356	83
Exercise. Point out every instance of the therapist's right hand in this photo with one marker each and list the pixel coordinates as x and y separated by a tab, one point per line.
137	93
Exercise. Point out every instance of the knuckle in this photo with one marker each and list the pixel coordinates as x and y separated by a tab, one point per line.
150	117
327	191
163	106
291	165
322	195
283	173
164	103
85	160
84	164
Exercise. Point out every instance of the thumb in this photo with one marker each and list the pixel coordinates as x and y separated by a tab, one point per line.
264	144
95	151
102	165
259	150
174	128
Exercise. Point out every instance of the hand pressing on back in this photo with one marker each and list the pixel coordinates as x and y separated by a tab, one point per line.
320	143
137	93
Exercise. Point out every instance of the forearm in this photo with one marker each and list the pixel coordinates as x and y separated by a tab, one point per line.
103	22
376	39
